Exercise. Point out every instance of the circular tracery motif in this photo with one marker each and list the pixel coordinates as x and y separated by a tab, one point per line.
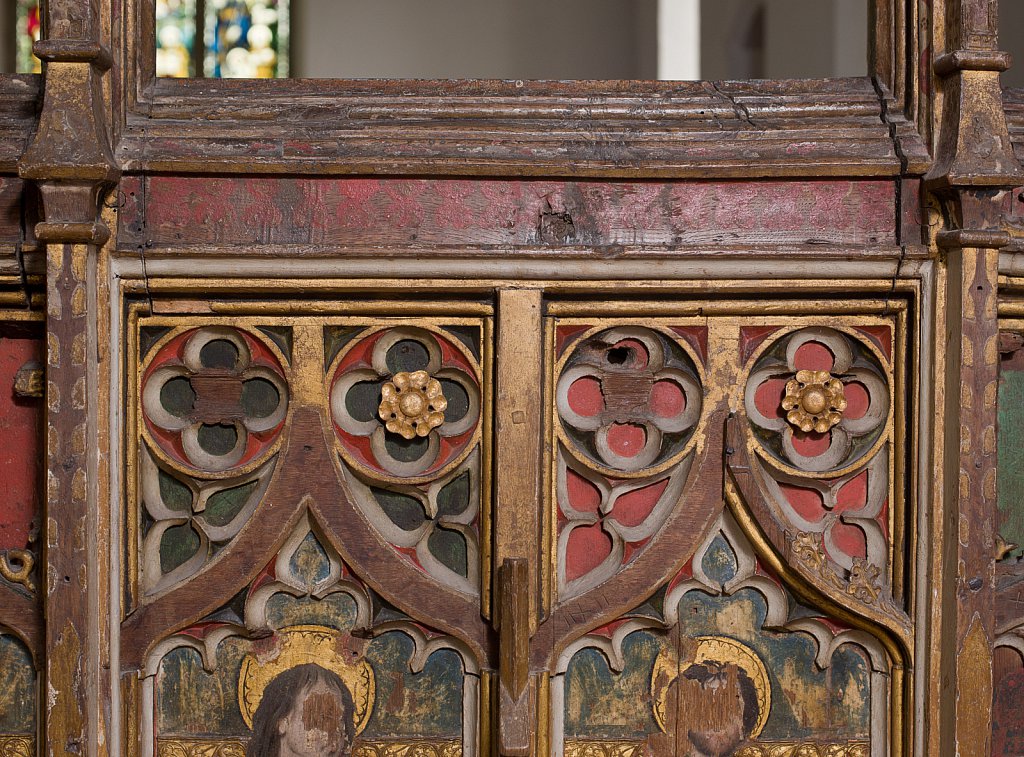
214	399
629	399
818	400
405	403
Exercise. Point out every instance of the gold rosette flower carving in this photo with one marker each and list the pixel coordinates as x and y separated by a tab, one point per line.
814	401
412	404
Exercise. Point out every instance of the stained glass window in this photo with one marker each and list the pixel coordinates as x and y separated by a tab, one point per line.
246	39
175	37
28	32
222	38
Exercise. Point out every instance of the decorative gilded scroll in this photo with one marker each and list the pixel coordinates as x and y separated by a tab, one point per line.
16	566
580	748
807	749
17	746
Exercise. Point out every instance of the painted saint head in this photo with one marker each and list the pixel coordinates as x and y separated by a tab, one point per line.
713	693
306	711
302	675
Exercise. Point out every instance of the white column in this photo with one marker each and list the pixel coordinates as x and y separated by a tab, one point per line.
678	39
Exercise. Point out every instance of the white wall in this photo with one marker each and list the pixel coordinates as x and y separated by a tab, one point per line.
802	39
503	39
1011	39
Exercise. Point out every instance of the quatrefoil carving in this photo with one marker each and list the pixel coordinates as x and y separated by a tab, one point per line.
214	399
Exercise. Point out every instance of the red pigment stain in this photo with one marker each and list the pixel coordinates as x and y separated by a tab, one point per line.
632	508
667	399
21	455
854	494
857	400
811	445
583	495
850	540
807	502
587	548
768	398
626	439
585	396
813	356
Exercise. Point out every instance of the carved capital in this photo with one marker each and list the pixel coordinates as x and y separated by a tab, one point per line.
974	146
70	156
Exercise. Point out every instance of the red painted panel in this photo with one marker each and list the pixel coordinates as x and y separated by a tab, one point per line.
486	213
21	454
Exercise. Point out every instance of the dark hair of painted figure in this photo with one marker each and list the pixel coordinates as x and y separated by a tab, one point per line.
306	711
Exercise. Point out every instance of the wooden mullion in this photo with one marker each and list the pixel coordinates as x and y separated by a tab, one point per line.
67	542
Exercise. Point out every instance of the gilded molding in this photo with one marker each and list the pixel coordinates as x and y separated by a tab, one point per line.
806	749
17	746
235	748
410	748
580	748
584	748
182	748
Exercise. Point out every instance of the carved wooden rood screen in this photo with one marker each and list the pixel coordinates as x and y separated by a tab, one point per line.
512	418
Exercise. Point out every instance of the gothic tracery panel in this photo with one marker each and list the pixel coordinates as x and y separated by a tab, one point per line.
325	643
628	401
307	494
781	630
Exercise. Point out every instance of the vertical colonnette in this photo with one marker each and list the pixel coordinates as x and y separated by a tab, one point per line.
71	162
974	167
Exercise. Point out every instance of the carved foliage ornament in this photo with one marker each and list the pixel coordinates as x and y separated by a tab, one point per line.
405	402
818	400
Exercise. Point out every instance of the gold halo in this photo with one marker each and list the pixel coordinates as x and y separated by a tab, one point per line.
298	645
718	649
